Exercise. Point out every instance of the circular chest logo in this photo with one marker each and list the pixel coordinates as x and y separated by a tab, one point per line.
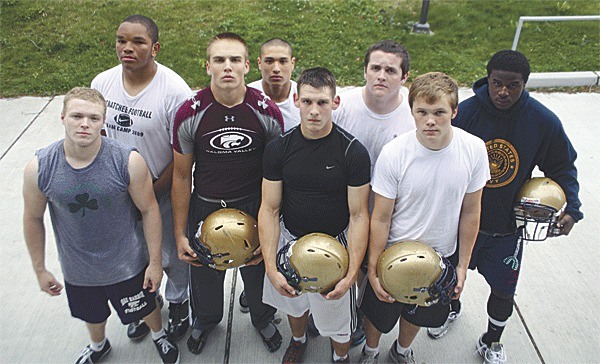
123	120
230	140
504	162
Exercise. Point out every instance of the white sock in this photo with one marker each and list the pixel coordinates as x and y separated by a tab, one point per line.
401	350
98	346
157	335
300	339
369	349
336	357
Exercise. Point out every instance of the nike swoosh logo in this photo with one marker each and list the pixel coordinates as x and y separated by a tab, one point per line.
329	167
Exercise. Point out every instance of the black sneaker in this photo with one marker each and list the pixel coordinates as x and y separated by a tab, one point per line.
273	343
89	356
179	319
244	303
195	346
138	330
167	349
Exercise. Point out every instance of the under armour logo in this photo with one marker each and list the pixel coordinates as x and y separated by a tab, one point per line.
196	104
263	104
229	118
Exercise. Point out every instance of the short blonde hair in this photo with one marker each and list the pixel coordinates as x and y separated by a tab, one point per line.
86	94
226	36
432	87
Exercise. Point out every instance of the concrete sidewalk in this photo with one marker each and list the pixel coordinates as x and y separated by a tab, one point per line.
556	319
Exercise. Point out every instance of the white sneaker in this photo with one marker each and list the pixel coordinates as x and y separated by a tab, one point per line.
491	355
437	332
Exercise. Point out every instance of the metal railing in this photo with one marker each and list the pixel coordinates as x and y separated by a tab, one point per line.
548	18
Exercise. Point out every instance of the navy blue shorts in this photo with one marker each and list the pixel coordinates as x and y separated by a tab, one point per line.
130	301
385	315
498	259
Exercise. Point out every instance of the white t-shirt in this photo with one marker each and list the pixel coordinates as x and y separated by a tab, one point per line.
146	120
429	186
371	129
289	111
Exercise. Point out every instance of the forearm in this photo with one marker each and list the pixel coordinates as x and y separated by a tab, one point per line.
468	228
35	239
152	224
268	234
180	197
358	235
377	241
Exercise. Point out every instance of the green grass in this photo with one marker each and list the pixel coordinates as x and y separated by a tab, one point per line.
49	46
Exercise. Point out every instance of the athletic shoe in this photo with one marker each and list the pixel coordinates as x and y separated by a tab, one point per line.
167	349
492	355
295	352
368	357
437	332
311	328
273	343
399	358
89	356
179	319
195	346
244	302
138	330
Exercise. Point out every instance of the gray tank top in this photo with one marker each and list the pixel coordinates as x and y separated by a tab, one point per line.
93	215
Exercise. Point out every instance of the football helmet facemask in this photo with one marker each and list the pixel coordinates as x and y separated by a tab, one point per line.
540	203
314	263
414	273
227	238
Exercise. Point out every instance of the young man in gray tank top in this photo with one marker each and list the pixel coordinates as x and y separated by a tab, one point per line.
93	186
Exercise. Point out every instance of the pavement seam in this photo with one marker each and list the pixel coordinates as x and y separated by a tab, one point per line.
529	334
27	127
230	316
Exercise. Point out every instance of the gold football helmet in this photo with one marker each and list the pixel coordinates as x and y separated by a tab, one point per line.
227	238
413	273
314	263
539	205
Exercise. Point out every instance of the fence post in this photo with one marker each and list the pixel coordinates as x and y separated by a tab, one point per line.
422	26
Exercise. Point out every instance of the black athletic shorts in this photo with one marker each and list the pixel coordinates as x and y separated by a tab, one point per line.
130	301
